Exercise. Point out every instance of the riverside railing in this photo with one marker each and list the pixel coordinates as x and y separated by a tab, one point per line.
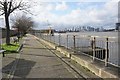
104	49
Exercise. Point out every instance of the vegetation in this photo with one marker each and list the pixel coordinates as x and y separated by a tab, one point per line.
7	7
11	47
23	24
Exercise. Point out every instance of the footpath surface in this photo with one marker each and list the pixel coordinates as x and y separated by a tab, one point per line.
34	61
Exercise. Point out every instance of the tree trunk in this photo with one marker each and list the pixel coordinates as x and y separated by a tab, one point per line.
8	29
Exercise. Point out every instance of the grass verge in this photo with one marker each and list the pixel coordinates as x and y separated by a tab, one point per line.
12	48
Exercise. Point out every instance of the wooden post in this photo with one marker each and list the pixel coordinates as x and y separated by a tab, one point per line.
106	53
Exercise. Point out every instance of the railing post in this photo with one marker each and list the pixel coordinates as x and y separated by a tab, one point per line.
59	40
50	38
67	41
40	35
54	39
44	37
93	47
35	33
47	37
106	53
74	42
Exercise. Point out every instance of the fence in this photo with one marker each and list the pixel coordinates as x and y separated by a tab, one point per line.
104	49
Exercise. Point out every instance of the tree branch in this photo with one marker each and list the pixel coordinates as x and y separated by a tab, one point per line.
16	7
5	8
10	5
1	3
2	13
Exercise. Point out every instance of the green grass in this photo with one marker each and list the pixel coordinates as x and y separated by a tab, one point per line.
13	47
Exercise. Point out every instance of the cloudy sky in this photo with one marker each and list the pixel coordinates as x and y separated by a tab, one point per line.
78	12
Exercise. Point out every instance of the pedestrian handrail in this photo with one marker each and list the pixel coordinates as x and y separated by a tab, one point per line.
104	48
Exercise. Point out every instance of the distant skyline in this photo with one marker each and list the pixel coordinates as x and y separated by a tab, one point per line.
89	13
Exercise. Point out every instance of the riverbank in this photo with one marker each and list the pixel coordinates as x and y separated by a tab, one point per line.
96	67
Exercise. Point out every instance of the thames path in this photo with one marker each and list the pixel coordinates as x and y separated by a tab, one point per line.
36	61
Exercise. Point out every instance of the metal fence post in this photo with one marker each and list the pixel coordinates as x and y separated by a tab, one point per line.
40	34
35	33
47	37
59	40
54	39
106	53
74	42
67	41
43	36
50	38
94	46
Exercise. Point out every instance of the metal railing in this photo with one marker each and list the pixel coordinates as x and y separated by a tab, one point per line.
104	49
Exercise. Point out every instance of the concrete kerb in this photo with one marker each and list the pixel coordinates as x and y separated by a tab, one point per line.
19	49
93	68
21	46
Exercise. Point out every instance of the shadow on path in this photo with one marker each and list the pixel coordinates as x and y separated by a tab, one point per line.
22	69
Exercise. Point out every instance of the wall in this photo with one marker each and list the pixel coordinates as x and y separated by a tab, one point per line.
12	33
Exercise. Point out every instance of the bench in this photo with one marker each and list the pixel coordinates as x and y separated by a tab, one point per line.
15	40
2	51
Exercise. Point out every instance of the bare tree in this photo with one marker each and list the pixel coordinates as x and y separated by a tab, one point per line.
23	24
6	8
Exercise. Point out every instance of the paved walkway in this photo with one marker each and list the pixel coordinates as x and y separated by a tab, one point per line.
37	60
34	61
